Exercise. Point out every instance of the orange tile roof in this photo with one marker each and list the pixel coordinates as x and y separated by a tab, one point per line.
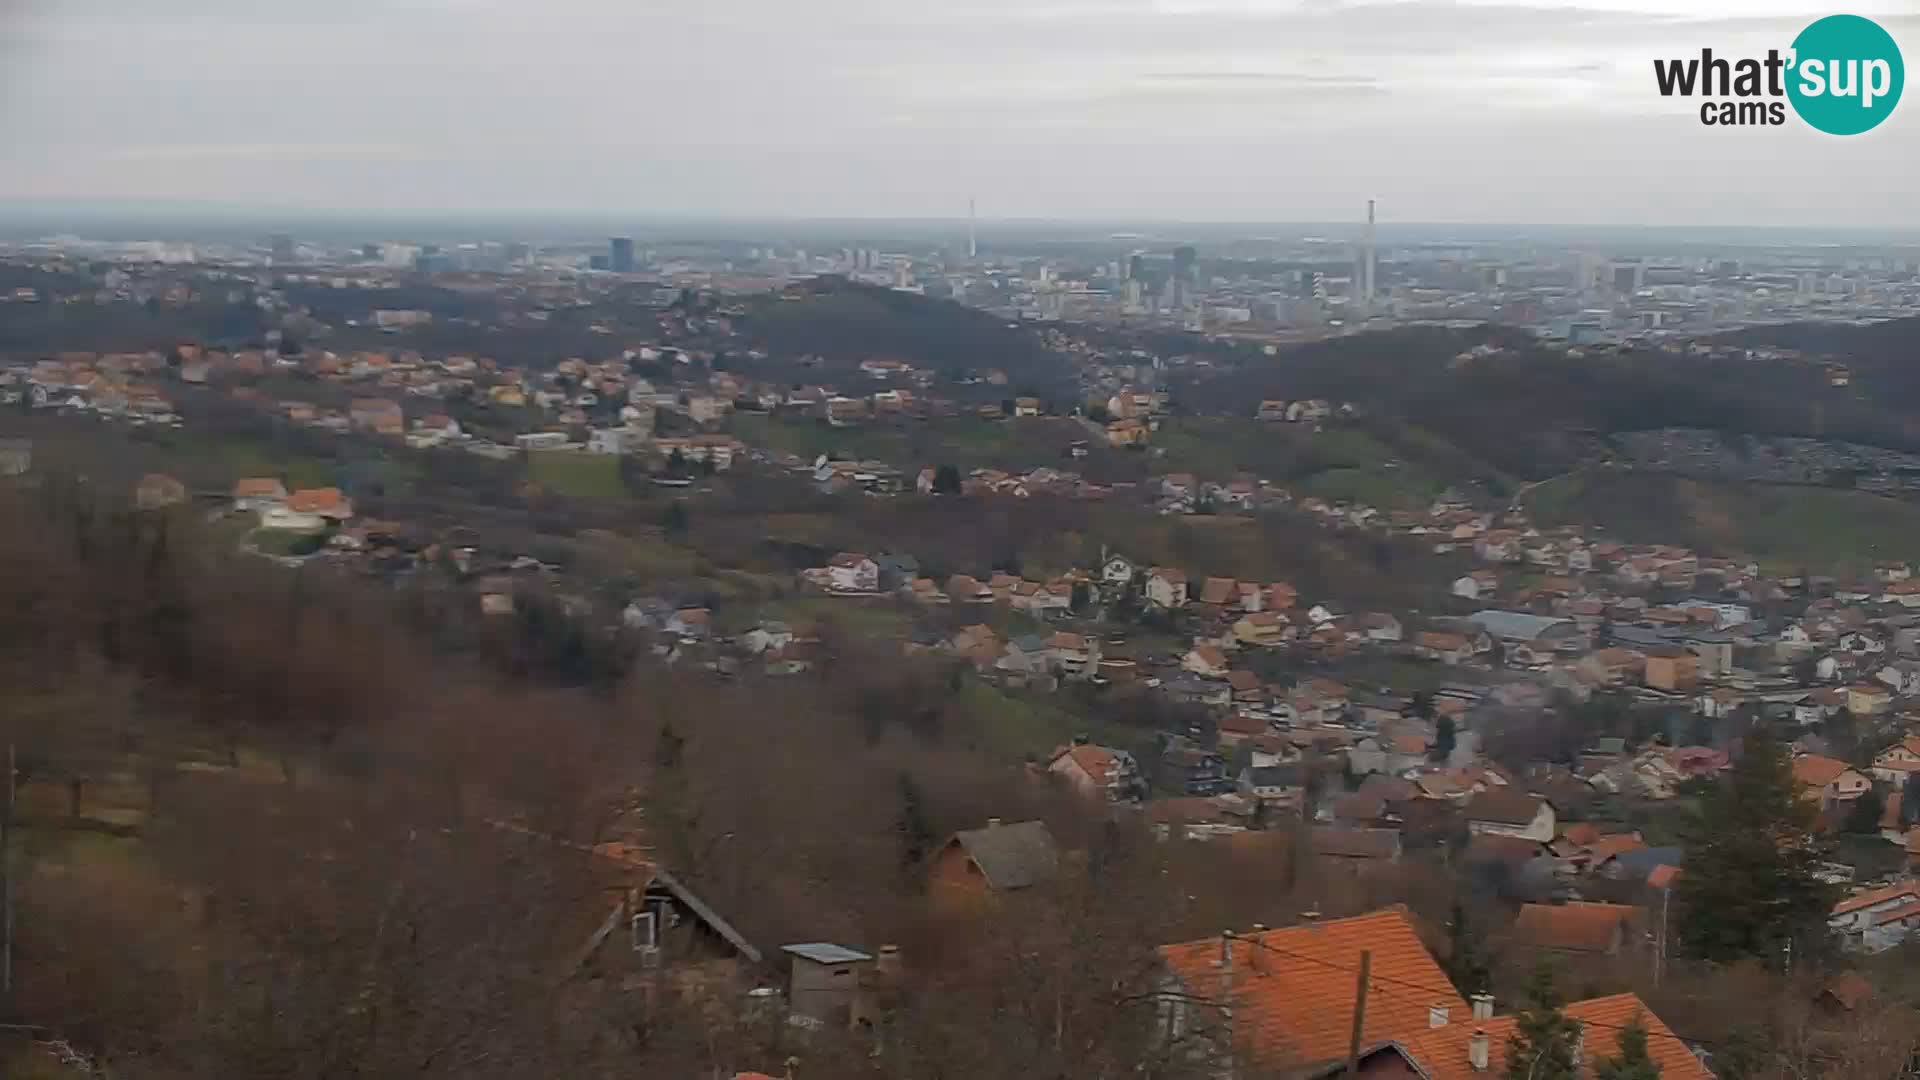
1814	770
1881	895
1663	876
253	487
316	500
1442	1052
1291	991
1905	911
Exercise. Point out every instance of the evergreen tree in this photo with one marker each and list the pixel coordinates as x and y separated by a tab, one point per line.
676	521
1466	966
1544	1038
1444	738
1749	890
1082	595
1633	1062
946	480
1863	817
916	832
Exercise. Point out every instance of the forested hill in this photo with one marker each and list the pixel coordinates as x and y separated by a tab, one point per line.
1526	408
1883	358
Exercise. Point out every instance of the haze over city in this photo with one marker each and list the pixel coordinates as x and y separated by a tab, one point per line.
1246	110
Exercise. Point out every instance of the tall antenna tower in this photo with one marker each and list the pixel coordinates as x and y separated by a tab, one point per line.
1367	278
973	245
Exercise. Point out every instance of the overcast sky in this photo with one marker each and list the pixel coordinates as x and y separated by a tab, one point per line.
1250	110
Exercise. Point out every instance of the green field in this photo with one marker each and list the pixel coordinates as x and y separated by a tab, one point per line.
577	475
1337	463
1787	528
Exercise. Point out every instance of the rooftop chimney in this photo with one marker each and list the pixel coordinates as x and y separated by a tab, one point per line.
993	823
1436	1016
1477	1050
1483	1006
1259	928
888	965
1226	950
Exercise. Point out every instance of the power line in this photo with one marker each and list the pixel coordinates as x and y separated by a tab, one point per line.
1427	1002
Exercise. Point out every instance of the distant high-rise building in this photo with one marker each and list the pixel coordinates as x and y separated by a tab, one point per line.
1627	277
1186	272
282	247
973	238
598	262
1136	266
1185	262
519	252
369	252
620	254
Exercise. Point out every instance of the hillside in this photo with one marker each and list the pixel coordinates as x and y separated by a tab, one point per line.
1524	408
1790	528
844	323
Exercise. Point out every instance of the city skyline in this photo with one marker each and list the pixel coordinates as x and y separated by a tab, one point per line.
1094	110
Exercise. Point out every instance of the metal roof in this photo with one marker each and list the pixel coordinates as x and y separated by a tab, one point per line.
1518	625
822	952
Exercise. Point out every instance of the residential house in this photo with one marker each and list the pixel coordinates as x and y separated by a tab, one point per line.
689	623
1448	648
853	572
1578	928
975	864
965	589
1219	591
1893	765
1207	661
1260	629
1901	676
1867	700
1099	772
1829	780
1354	847
1878	919
1505	812
1025	656
1277	786
378	415
1166	588
1075	656
1671	669
1478	585
329	504
654	924
1290	1009
253	494
1380	627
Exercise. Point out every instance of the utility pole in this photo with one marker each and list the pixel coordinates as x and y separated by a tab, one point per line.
1660	958
6	883
1359	1013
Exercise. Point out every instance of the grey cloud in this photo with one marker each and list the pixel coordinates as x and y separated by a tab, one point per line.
1449	110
